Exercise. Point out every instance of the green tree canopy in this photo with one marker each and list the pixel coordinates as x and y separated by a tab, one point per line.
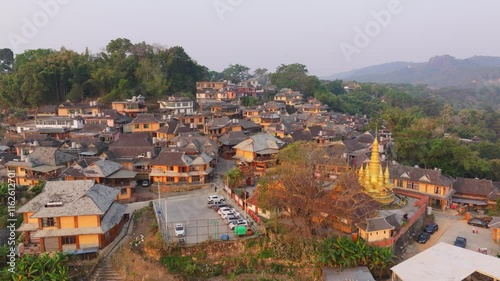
236	73
6	60
38	268
295	76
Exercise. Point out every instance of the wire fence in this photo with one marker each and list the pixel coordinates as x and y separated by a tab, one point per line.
197	231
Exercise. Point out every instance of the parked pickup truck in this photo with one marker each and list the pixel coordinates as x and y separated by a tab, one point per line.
460	242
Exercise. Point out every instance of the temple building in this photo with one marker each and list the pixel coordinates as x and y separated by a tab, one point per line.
375	179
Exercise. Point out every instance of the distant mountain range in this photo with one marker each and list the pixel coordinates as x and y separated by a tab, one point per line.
438	72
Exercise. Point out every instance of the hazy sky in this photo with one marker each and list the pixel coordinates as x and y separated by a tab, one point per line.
328	36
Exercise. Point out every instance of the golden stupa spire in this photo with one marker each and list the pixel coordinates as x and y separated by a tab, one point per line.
386	177
361	174
374	165
376	181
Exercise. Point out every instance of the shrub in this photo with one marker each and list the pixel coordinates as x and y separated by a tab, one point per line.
265	254
277	268
250	243
175	264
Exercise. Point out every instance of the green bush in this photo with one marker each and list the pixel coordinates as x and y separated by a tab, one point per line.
175	264
201	255
186	266
250	243
277	268
265	254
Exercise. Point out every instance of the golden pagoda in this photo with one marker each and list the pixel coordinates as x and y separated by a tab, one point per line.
376	181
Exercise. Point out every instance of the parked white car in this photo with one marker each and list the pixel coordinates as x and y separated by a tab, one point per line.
215	198
230	219
224	209
233	224
228	214
179	230
224	213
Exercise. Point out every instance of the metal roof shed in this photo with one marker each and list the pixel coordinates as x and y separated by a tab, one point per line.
444	262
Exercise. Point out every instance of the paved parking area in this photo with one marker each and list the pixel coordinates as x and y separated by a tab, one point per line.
451	226
201	222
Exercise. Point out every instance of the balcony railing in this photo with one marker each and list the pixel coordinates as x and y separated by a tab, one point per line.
31	249
142	170
264	158
145	109
41	177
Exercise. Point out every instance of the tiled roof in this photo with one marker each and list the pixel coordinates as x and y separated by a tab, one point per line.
128	152
171	158
315	130
301	135
48	109
136	139
169	127
366	138
74	171
92	128
375	224
113	216
247	124
419	175
145	118
274	105
393	220
495	194
196	141
79	197
353	145
102	168
201	159
495	222
474	186
260	142
218	122
41	140
50	156
232	138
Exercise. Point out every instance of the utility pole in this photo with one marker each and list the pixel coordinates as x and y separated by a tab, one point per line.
159	208
166	215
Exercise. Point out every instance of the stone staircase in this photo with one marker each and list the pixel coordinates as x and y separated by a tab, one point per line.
106	272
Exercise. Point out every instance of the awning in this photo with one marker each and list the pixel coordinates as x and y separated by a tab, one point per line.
44	168
242	159
88	153
52	130
469	201
168	174
28	227
142	177
67	232
267	151
142	163
82	251
201	173
122	174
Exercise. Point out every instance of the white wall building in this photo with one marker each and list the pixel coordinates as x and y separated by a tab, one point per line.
177	105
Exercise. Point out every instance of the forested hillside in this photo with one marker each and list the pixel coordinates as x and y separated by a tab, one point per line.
124	69
438	72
